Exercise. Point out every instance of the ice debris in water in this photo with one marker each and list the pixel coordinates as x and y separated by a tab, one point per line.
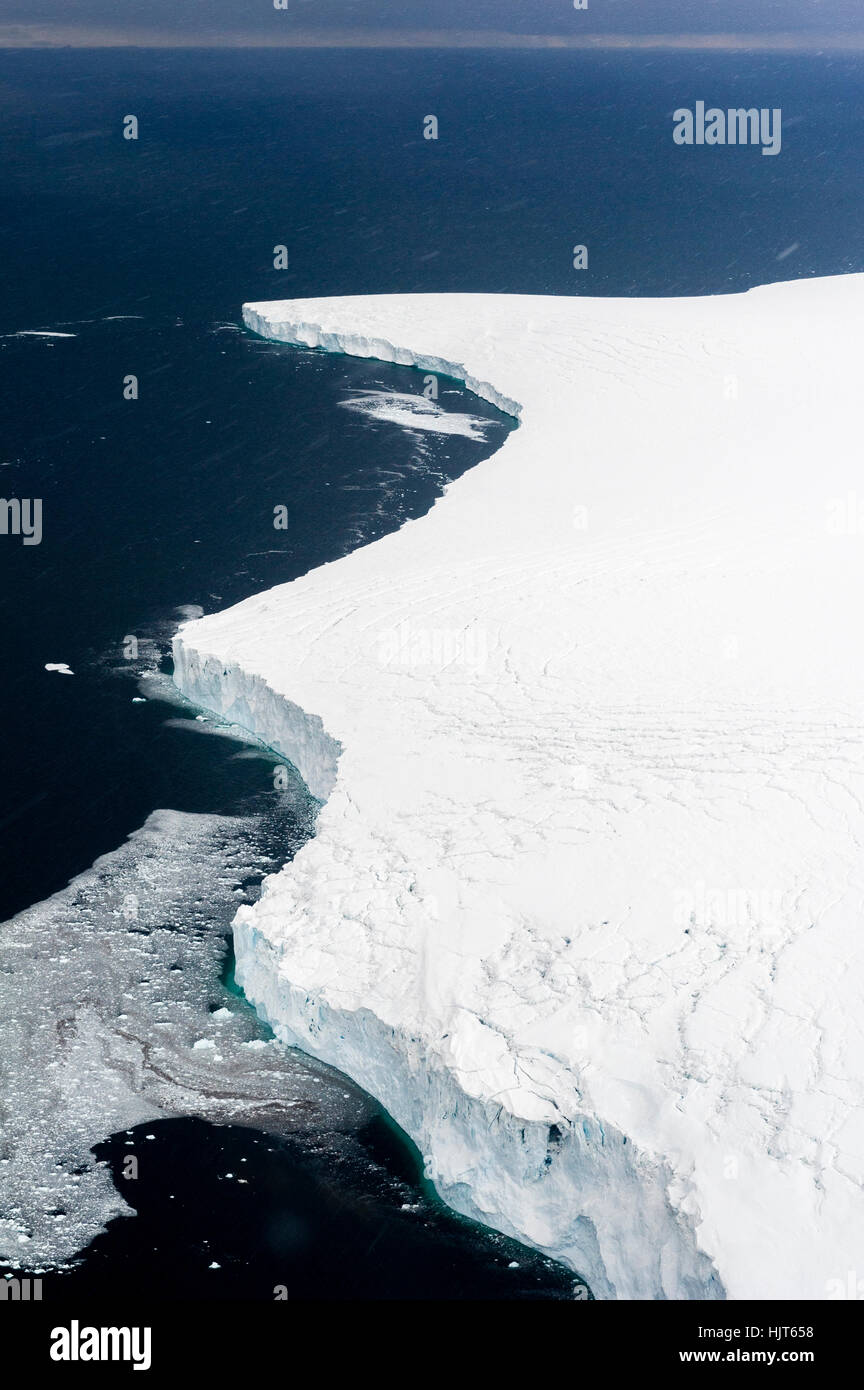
415	412
105	988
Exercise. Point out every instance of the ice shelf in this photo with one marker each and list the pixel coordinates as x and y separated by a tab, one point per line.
583	906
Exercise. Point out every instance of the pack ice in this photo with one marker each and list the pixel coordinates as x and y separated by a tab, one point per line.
583	908
112	1013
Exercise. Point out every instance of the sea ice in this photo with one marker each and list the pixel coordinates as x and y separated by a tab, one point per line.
105	998
415	413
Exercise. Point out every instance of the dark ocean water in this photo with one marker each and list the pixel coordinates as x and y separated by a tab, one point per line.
143	251
323	152
152	505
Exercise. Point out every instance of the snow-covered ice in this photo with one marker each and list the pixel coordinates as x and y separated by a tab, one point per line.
583	906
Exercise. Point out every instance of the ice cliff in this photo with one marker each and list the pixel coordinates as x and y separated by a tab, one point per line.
583	906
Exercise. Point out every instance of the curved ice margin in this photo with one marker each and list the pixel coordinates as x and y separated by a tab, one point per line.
311	335
507	1179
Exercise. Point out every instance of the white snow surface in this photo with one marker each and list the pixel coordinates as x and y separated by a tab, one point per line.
584	904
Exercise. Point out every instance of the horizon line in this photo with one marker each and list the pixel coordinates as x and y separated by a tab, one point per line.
50	36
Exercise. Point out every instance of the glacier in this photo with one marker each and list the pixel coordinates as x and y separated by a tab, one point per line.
582	906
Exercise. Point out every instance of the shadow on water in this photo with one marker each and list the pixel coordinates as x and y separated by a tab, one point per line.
231	1213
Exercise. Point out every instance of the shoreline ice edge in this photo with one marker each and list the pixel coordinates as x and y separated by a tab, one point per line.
557	1093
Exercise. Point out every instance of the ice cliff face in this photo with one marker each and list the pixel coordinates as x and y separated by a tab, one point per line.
583	905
